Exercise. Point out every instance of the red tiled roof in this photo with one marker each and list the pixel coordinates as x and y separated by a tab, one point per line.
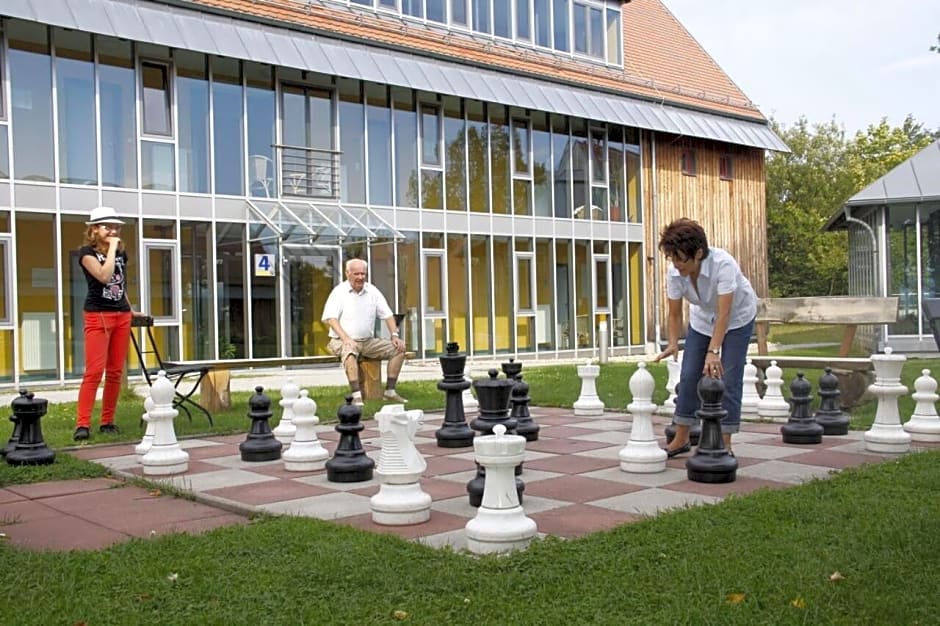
663	62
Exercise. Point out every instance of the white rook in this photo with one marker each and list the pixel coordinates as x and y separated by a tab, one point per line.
924	424
500	524
886	434
286	429
306	453
400	500
589	404
642	454
165	455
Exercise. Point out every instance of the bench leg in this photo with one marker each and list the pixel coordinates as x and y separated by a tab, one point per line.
370	378
847	340
762	331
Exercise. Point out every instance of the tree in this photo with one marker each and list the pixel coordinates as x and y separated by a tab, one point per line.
808	185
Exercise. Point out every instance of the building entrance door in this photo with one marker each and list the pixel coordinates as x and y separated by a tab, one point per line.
310	274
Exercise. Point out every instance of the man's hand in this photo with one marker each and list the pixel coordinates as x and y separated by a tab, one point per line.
398	343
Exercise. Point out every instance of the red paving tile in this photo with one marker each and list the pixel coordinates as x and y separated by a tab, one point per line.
580	519
578	489
267	492
9	496
62	533
571	464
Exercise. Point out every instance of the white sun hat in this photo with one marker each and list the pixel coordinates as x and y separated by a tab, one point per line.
103	215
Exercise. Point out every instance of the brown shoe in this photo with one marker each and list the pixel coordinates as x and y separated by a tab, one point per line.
391	395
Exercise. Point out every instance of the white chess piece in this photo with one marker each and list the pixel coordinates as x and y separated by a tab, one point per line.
305	453
642	454
773	405
749	395
285	430
887	434
924	424
147	442
500	524
470	404
589	404
165	455
400	500
674	368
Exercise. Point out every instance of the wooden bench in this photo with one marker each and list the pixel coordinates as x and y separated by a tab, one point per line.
215	385
847	311
855	374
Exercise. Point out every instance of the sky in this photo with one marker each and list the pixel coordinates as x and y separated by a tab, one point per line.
855	61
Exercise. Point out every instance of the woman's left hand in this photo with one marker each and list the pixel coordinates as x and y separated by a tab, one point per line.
713	366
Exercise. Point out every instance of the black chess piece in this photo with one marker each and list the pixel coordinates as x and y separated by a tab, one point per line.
511	369
493	394
695	431
30	448
801	428
260	445
525	425
830	415
14	437
711	462
454	432
349	464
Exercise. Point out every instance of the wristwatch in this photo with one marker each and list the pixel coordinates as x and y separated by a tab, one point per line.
715	351
395	335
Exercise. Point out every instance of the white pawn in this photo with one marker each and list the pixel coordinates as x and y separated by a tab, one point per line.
500	524
165	455
305	453
642	454
887	434
470	404
589	404
145	444
400	500
924	424
773	405
749	395
285	430
674	368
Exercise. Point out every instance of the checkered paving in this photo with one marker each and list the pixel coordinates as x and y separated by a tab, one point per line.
573	481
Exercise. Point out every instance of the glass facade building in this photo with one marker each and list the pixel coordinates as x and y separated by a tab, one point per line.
245	185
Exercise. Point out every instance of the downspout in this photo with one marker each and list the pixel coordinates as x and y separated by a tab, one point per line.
654	218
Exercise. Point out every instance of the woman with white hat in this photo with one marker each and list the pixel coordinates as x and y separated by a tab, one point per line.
107	319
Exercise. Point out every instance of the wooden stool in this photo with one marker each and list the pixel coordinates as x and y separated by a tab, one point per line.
370	378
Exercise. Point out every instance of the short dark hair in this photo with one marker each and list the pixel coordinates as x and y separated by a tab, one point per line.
684	236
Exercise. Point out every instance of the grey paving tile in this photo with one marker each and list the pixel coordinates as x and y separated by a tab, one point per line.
781	471
329	506
668	477
212	480
652	501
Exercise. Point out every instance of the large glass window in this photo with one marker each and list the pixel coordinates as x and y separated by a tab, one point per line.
455	157
352	142
231	290
523	28
36	272
481	293
598	148
499	158
75	86
579	169
227	120
502	19
579	27
481	15
619	302
596	32
564	303
458	290
522	167
614	36
477	157
541	165
632	150
156	166
504	320
542	14
561	168
544	294
432	174
616	178
413	8
636	293
458	12
379	123
262	116
406	147
409	289
192	107
196	256
31	95
4	151
583	301
436	11
560	20
118	120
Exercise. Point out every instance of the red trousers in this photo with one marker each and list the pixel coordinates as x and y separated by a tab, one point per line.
106	339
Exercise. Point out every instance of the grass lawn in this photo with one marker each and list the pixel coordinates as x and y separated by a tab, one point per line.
860	548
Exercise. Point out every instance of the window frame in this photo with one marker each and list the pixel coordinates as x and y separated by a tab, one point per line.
167	68
726	167
687	162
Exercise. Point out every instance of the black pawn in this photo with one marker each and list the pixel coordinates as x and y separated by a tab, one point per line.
711	463
454	432
525	425
260	445
349	463
493	394
830	415
801	428
30	448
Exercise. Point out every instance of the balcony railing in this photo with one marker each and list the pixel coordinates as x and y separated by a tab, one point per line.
308	172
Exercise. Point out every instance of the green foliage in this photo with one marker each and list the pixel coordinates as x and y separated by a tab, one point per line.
808	185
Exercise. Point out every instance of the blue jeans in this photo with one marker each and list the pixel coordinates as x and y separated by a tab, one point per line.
733	360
